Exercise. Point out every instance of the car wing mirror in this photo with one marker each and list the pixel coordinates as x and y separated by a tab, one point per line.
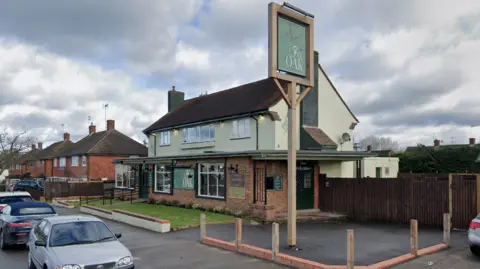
40	243
118	235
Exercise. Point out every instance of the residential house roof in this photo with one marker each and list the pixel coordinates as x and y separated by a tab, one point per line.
319	136
29	156
50	151
248	98
110	142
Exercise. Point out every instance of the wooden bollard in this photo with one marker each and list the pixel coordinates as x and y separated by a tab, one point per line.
414	237
203	227
446	229
350	250
275	241
238	233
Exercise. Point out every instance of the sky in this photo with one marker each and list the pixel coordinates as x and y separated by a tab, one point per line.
407	69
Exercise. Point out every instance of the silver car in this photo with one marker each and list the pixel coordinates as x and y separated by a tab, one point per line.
474	235
76	242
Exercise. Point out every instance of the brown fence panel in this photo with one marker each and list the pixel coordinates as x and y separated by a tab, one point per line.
69	189
464	200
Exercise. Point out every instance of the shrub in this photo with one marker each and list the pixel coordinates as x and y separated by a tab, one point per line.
189	205
197	206
174	203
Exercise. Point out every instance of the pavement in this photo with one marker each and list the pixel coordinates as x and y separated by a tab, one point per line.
158	251
326	242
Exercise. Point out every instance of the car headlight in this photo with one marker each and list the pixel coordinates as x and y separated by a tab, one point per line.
71	266
124	261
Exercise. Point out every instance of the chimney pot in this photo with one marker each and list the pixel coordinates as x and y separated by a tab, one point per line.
173	88
110	125
40	145
91	129
66	137
471	141
34	146
436	142
369	148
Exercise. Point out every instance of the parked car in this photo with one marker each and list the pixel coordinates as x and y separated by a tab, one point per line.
7	198
17	219
26	185
76	242
474	235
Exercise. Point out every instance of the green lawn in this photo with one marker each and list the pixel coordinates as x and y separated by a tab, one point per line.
178	217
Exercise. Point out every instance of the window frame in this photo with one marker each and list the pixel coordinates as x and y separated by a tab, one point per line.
198	179
386	171
55	162
165	138
166	170
64	162
245	124
84	157
74	164
188	131
126	182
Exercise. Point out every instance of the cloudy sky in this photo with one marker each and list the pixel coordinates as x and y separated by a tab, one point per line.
408	69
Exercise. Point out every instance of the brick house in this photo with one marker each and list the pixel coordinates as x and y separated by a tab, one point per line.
229	149
92	156
46	156
27	163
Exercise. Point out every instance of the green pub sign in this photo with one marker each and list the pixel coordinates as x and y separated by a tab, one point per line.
292	46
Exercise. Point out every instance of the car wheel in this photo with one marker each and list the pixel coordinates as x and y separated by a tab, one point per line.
474	250
3	245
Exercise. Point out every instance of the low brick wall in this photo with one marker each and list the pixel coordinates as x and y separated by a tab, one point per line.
138	220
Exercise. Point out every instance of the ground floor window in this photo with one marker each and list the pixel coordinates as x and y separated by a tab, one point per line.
124	176
211	180
163	179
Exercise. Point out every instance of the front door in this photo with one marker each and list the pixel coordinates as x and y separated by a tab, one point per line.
143	184
305	194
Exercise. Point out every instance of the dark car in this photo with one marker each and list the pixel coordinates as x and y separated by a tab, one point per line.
26	185
17	219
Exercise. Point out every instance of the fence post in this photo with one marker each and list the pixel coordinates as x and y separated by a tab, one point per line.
203	227
446	229
414	237
238	233
450	198
350	250
80	200
275	241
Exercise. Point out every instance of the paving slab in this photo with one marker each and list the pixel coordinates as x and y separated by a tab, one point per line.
326	242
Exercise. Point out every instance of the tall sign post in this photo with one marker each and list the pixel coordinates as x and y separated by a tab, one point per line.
291	64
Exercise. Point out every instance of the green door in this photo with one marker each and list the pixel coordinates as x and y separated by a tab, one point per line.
378	172
305	195
143	185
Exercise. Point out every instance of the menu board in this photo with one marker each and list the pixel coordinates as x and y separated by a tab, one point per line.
237	186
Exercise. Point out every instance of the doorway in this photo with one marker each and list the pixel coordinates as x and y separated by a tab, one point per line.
143	184
305	189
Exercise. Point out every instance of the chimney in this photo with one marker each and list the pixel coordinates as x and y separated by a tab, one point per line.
369	148
34	147
175	99
110	125
471	141
40	145
436	143
91	129
66	137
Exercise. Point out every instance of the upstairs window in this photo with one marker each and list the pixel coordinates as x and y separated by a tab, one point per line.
62	162
241	128
84	161
74	161
55	162
196	134
165	138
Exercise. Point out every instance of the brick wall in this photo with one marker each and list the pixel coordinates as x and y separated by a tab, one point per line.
245	165
278	199
49	168
102	166
76	171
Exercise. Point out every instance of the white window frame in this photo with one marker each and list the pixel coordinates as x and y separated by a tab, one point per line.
165	138
74	161
387	171
62	162
241	128
163	170
124	176
207	173
55	162
84	161
198	134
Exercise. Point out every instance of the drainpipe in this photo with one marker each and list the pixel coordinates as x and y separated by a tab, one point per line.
256	126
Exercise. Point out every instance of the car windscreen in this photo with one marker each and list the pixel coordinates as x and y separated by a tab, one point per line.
15	199
32	211
81	232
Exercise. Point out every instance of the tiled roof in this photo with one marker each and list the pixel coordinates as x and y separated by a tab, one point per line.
248	98
319	136
110	142
29	156
49	152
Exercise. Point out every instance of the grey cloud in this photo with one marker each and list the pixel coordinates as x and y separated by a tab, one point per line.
28	122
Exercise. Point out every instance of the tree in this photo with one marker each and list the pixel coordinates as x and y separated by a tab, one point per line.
12	145
378	143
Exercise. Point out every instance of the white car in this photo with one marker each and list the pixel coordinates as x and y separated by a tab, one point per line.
7	198
474	235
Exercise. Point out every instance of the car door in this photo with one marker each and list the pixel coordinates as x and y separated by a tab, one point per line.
37	234
44	235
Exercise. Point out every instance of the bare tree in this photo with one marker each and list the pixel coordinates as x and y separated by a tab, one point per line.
12	145
378	143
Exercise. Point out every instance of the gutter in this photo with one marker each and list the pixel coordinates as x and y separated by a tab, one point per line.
256	132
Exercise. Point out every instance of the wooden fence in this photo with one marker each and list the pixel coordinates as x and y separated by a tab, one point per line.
80	188
424	197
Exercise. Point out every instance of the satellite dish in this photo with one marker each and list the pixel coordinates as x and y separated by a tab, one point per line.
345	137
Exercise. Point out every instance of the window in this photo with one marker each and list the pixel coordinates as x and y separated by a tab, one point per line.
62	162
75	161
199	134
39	163
165	138
241	128
387	171
84	161
55	162
125	176
211	180
163	178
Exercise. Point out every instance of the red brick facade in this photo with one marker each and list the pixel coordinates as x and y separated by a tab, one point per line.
97	167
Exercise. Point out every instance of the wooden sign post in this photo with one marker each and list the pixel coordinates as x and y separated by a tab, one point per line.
290	62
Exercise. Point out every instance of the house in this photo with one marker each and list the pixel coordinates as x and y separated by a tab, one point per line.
229	149
26	164
46	156
384	165
92	156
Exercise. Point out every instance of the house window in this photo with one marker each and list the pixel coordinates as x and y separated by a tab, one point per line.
18	167
165	138
62	162
124	176
55	162
163	178
74	161
203	133
211	180
241	128
84	161
387	171
39	163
